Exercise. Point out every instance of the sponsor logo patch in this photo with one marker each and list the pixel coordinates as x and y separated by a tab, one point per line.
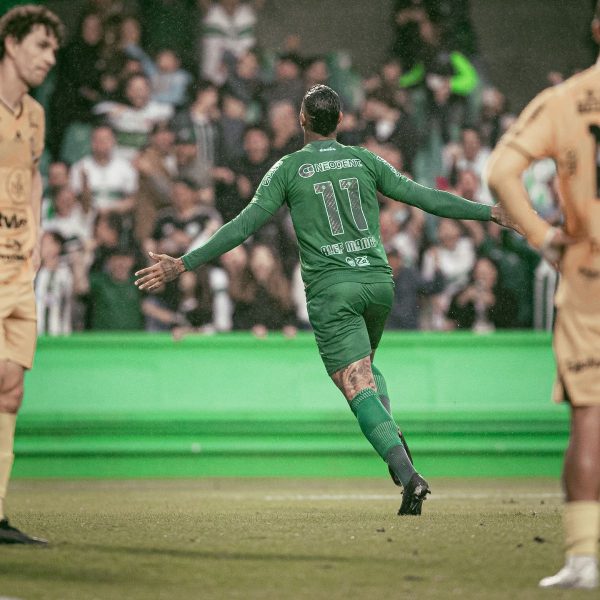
15	186
307	170
576	366
269	175
11	220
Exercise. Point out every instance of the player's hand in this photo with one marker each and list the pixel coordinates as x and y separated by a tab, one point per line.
166	269
500	216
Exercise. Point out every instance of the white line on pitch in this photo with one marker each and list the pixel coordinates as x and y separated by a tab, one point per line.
447	496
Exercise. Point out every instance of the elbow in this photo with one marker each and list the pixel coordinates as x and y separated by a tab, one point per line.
493	174
494	182
497	177
504	170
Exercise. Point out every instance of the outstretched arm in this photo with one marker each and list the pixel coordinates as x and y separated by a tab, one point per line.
440	203
168	268
394	185
232	234
445	204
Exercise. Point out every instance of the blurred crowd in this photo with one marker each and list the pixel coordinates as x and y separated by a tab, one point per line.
154	142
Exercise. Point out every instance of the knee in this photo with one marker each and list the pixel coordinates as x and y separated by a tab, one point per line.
11	398
354	378
586	463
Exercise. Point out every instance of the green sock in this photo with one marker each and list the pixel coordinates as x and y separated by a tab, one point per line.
382	389
379	428
375	422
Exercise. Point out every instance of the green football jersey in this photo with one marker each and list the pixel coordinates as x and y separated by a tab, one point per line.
331	191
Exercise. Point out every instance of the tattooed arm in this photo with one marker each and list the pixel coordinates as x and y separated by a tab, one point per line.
165	269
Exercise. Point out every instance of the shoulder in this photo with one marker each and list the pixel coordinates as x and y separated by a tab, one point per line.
32	106
542	105
364	154
357	150
583	87
584	78
299	154
553	101
375	161
556	96
544	98
280	167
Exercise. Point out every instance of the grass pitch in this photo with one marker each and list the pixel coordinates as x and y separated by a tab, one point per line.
282	539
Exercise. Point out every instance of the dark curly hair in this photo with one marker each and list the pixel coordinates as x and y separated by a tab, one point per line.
19	22
321	106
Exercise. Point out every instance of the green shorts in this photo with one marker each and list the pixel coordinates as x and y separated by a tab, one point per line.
348	320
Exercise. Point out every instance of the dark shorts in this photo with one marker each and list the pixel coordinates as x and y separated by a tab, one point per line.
348	320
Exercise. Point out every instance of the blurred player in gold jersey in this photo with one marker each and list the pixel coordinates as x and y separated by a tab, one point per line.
29	38
563	123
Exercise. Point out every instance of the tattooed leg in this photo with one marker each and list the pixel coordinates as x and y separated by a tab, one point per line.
357	383
354	378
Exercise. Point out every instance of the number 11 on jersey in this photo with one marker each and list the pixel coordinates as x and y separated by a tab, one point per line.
327	192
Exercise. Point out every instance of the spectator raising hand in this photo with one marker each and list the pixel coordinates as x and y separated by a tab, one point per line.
484	304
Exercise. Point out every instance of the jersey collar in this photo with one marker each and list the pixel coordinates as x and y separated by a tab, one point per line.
322	143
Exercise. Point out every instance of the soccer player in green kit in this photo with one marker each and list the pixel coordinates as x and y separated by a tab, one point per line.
331	191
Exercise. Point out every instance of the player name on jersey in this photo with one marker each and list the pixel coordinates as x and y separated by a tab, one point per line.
349	246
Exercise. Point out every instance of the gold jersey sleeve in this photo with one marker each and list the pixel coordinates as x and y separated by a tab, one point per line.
21	148
533	134
563	123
